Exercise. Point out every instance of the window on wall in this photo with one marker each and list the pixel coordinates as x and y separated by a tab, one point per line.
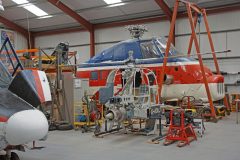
94	75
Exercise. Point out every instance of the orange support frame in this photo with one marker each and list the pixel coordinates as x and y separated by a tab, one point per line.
192	7
213	52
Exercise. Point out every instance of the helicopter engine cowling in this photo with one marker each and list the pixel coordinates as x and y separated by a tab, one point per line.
117	115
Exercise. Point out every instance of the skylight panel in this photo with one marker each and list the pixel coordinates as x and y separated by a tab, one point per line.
112	1
20	1
43	17
31	8
35	10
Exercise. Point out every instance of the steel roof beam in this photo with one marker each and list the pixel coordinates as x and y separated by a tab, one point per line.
162	4
87	25
20	30
14	26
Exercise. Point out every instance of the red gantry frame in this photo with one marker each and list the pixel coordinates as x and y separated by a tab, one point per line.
191	7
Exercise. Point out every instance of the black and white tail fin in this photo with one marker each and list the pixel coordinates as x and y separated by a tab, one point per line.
32	86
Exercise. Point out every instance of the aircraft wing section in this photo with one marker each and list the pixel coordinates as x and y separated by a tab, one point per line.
11	104
5	77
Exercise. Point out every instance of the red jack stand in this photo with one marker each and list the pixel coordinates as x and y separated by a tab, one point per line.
179	130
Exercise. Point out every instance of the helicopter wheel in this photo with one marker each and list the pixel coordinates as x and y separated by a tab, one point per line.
14	156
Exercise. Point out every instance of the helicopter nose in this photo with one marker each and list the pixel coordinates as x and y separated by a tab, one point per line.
26	126
216	79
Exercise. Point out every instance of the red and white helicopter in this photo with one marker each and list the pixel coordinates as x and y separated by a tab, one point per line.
183	76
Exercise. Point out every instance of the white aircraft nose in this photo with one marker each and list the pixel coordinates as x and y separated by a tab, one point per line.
26	126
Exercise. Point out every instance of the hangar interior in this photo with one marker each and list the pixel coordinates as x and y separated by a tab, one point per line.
74	43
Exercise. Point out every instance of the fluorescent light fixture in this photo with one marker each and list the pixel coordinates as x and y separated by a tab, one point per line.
35	10
20	1
112	1
31	8
117	4
43	17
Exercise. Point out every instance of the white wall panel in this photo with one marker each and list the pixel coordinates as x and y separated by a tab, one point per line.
227	65
111	34
182	43
219	41
157	29
182	26
217	22
233	43
83	53
21	41
121	33
76	38
224	21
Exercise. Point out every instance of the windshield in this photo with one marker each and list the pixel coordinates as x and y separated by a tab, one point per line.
162	44
149	50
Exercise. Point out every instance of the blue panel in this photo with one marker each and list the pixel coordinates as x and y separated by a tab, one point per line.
120	52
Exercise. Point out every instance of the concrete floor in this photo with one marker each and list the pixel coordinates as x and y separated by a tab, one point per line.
220	142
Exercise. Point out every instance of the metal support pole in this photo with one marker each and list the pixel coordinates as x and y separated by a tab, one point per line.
191	39
168	47
213	114
211	41
213	51
160	127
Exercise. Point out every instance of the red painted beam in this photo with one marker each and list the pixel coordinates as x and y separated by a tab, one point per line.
92	43
87	25
14	26
162	4
210	11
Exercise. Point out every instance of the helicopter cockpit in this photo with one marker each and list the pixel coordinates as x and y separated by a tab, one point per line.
156	48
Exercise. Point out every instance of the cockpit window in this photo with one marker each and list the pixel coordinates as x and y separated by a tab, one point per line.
149	50
162	45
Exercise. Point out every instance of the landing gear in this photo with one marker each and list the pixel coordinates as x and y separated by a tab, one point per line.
14	156
11	156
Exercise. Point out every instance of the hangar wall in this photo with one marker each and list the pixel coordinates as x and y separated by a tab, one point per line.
21	41
225	28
